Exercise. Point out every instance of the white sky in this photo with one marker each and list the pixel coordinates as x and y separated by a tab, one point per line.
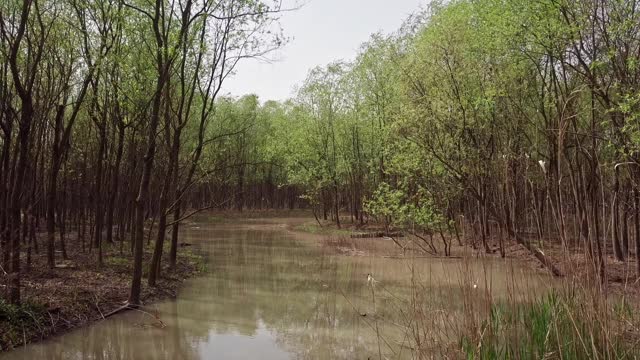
321	31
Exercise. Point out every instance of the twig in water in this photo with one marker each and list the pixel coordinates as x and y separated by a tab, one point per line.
98	306
365	321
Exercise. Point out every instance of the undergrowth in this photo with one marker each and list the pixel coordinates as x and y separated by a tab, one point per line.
18	320
560	325
568	320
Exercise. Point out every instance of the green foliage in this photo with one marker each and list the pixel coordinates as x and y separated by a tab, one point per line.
398	210
15	320
20	314
557	326
119	262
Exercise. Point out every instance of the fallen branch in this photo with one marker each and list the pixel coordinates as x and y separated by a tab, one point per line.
377	234
544	259
126	307
197	211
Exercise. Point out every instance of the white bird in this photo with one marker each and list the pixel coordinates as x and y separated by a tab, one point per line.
370	280
543	165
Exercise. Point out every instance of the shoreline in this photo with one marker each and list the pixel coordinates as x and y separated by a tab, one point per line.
78	293
620	276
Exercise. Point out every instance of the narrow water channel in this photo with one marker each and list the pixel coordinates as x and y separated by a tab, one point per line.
268	295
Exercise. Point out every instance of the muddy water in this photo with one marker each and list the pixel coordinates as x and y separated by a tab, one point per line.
268	294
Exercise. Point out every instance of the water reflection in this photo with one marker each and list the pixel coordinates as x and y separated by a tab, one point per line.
267	296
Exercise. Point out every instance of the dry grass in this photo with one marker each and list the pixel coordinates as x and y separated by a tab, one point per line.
567	320
581	316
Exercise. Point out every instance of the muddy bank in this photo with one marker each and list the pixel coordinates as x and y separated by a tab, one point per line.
620	277
78	292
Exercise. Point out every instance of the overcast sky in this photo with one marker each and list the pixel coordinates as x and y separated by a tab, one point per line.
321	31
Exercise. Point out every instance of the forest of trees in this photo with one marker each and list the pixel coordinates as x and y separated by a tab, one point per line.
109	116
484	120
496	119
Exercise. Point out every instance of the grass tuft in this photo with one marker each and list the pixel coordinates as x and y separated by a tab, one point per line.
18	320
560	325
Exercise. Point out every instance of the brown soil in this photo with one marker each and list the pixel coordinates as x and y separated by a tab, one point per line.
621	278
77	292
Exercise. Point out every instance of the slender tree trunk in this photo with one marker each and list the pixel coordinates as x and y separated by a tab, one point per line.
154	269
115	177
99	214
637	228
4	199
336	202
143	191
62	218
615	215
173	253
53	188
16	201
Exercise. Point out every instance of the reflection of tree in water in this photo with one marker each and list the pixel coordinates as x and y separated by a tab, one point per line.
263	277
116	339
